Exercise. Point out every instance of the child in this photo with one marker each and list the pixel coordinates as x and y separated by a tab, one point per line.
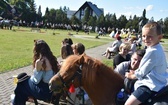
151	73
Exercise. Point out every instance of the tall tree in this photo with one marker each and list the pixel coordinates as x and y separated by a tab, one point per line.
108	20
86	16
122	22
74	20
101	21
39	13
166	25
114	21
92	21
144	14
46	15
32	6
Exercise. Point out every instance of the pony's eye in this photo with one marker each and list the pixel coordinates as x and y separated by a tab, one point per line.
58	89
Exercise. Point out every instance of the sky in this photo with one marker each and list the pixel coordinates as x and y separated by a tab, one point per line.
154	8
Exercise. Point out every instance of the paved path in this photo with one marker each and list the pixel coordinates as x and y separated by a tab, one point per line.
6	82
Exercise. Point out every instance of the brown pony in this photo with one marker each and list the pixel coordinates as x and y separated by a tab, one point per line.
98	80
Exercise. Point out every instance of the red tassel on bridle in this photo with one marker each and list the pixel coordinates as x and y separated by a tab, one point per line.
72	89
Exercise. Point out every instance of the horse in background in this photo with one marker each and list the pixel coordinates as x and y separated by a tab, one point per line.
100	81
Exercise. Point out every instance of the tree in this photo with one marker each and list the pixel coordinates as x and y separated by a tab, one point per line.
61	16
135	22
52	16
152	19
27	8
74	20
101	21
65	9
32	6
39	13
108	20
86	16
144	14
122	21
114	21
92	21
165	26
46	15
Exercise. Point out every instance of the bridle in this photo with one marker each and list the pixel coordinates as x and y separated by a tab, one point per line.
77	74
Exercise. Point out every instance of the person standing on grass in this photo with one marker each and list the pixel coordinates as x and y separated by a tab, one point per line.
151	75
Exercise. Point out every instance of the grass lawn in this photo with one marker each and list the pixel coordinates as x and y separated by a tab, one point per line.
164	43
16	46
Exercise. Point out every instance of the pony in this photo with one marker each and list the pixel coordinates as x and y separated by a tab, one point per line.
100	81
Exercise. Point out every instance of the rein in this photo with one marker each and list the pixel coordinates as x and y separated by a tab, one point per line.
77	74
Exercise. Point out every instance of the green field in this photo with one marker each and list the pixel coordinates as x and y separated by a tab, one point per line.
17	45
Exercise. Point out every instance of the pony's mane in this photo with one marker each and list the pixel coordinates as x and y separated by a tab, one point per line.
95	68
91	68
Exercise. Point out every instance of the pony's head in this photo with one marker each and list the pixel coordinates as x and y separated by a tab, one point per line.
70	73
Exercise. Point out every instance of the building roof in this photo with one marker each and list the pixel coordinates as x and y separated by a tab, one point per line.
97	11
94	7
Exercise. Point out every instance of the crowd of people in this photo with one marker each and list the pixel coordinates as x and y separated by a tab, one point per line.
130	60
149	74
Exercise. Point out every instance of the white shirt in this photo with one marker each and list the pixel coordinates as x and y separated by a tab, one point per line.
115	46
152	69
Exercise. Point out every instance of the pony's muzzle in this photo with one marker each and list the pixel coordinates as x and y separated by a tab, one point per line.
55	88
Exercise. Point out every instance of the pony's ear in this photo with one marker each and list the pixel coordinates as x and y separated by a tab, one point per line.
81	59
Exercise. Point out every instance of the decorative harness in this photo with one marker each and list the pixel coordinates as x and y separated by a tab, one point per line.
77	74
